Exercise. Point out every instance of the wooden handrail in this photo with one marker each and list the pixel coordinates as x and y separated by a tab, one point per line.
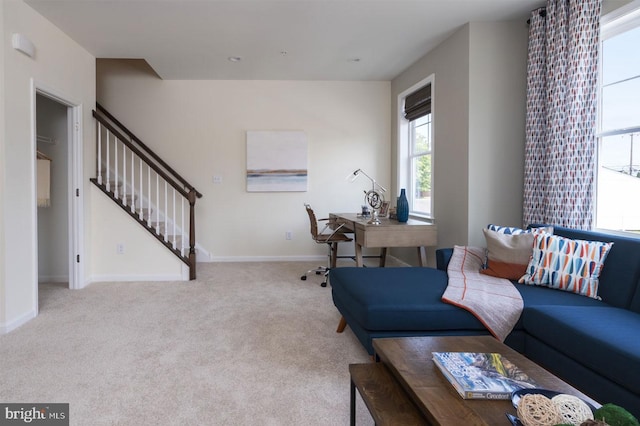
142	155
144	147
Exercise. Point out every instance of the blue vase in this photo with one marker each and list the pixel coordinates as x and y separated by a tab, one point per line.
402	208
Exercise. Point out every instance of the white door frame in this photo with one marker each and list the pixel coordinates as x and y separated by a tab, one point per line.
75	180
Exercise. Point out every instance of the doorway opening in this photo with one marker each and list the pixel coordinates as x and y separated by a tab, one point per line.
59	219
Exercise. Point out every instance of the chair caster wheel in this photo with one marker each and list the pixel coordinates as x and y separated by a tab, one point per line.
318	272
323	285
303	278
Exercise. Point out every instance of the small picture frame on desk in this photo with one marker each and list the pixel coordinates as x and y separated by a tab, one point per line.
392	213
384	209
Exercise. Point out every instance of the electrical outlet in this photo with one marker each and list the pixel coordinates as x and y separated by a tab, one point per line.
217	180
288	235
120	248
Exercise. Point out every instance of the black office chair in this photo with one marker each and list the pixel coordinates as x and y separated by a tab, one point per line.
331	239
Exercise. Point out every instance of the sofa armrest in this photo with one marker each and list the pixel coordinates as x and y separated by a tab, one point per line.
443	256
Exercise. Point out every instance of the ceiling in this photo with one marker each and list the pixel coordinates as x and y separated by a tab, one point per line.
275	40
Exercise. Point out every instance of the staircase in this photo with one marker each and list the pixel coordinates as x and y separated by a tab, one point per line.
146	187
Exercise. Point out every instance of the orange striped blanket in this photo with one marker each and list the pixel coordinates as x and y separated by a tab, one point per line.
494	301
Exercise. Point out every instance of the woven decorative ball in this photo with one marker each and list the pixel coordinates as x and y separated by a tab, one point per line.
538	410
572	409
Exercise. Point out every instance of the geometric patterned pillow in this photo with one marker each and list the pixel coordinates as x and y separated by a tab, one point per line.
566	264
508	230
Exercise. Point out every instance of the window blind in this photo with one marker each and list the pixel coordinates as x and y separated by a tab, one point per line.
418	103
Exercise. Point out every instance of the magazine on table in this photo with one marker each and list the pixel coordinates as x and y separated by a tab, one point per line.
482	375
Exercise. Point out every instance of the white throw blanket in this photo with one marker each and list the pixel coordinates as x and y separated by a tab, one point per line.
494	301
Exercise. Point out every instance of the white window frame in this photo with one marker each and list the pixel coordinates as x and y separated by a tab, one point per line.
614	23
404	176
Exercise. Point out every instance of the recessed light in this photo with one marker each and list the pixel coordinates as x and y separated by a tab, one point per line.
234	58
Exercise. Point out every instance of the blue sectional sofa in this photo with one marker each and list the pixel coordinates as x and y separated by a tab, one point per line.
592	344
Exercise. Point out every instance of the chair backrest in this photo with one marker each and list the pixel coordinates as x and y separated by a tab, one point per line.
313	221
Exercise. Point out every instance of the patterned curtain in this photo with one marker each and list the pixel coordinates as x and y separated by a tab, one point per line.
562	93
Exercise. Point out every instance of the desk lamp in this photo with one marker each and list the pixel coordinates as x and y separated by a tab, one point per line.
373	197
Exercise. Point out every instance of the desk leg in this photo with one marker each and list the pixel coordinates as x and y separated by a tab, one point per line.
422	256
334	255
383	257
358	255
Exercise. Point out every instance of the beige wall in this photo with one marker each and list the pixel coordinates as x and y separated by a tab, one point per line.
3	298
61	65
479	100
199	128
144	257
449	63
497	110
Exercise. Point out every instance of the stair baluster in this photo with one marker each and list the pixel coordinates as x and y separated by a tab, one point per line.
108	169
99	165
124	175
133	183
165	209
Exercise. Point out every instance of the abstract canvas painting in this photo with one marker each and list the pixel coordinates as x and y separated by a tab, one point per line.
276	161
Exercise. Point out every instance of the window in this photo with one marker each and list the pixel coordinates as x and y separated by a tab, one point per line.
415	147
618	192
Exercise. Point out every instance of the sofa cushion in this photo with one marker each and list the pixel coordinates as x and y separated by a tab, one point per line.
566	264
544	296
603	339
635	301
392	299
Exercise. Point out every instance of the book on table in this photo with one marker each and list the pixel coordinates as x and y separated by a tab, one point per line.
482	375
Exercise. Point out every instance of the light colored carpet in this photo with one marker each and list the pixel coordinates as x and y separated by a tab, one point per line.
244	344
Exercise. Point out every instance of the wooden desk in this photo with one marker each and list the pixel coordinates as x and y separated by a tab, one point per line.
409	362
390	233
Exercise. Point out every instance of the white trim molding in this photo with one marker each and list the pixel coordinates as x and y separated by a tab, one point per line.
8	327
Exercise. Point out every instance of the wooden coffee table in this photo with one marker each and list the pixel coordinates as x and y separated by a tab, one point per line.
408	360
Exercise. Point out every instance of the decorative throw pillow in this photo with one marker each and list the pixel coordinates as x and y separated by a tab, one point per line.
566	264
507	254
509	250
508	230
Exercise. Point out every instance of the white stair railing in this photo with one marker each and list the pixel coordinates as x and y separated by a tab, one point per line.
155	199
159	209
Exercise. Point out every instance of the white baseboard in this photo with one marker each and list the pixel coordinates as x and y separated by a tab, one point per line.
132	278
53	278
8	327
313	258
202	255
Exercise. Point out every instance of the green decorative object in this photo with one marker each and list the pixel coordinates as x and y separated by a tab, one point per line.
615	415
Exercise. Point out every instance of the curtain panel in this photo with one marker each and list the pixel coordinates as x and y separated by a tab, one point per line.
561	121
